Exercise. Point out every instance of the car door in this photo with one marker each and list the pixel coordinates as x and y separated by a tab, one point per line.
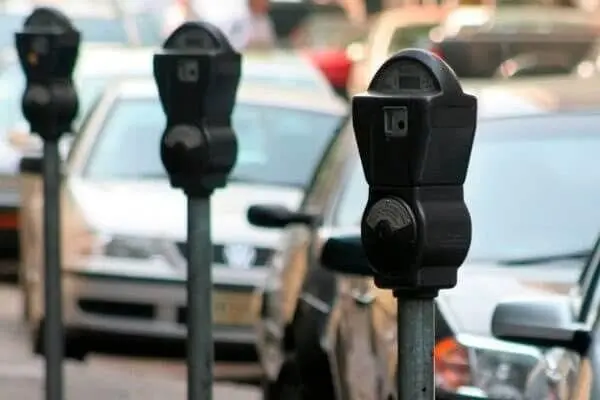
365	329
563	374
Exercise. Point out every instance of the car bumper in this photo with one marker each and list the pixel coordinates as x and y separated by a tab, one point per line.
147	309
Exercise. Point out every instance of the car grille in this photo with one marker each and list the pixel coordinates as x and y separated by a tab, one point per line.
118	309
262	254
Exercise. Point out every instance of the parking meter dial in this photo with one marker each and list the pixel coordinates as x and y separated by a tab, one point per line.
48	47
197	74
414	128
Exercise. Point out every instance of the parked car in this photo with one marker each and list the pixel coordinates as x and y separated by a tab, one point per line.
324	37
330	332
477	40
566	325
124	263
390	31
97	63
98	21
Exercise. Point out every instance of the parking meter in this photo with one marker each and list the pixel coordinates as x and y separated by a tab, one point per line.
415	128
197	73
48	47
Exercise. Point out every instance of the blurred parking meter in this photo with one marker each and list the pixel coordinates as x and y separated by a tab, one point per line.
197	74
48	47
414	129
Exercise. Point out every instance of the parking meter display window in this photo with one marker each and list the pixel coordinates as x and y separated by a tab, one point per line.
524	173
280	146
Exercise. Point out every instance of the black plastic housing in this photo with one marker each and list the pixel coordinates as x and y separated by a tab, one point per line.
197	74
48	47
415	128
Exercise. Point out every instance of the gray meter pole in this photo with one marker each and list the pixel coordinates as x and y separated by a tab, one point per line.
197	75
414	128
48	46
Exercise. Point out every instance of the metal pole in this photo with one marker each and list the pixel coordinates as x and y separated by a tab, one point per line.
199	300
416	336
53	325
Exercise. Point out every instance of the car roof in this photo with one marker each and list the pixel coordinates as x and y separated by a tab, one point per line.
275	67
250	92
534	96
527	17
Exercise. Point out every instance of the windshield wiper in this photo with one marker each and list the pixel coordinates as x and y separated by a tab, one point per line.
574	256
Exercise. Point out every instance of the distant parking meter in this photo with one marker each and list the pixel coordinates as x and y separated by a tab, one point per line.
48	47
197	74
414	129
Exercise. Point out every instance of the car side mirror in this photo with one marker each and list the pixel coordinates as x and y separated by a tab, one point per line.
277	216
342	252
23	140
544	322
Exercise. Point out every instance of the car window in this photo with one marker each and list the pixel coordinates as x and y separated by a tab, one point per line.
328	31
528	188
410	36
277	145
588	282
14	83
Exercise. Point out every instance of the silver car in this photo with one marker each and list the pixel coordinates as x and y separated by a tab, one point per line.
124	227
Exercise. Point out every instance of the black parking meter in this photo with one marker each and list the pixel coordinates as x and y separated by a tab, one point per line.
197	74
48	47
414	129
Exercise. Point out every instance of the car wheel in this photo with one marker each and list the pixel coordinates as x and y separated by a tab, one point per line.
74	345
288	385
312	361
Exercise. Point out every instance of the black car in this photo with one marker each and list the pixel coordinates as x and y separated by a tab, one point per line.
476	41
535	217
481	41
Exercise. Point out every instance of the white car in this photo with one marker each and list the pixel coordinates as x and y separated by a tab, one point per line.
97	64
124	227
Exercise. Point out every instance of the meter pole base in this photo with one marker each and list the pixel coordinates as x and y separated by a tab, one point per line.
200	351
416	337
54	330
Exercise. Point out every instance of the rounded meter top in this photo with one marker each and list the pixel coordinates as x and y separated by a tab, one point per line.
415	71
44	19
198	36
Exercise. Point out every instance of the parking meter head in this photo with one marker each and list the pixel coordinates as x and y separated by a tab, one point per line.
48	46
197	73
415	128
414	125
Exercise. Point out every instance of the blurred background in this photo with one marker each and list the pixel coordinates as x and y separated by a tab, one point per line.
303	60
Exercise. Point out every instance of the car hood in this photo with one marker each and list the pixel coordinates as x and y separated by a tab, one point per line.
469	306
154	209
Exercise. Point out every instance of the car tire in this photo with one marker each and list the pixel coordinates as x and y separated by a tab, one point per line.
312	361
74	344
288	385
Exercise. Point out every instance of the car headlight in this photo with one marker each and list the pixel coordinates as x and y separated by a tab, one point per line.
138	248
495	369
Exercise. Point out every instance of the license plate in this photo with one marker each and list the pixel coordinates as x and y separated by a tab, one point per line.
233	308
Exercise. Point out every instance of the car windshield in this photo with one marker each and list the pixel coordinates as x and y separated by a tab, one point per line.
10	105
330	30
530	188
407	36
106	30
277	145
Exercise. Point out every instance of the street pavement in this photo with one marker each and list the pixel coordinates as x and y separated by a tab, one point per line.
101	377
